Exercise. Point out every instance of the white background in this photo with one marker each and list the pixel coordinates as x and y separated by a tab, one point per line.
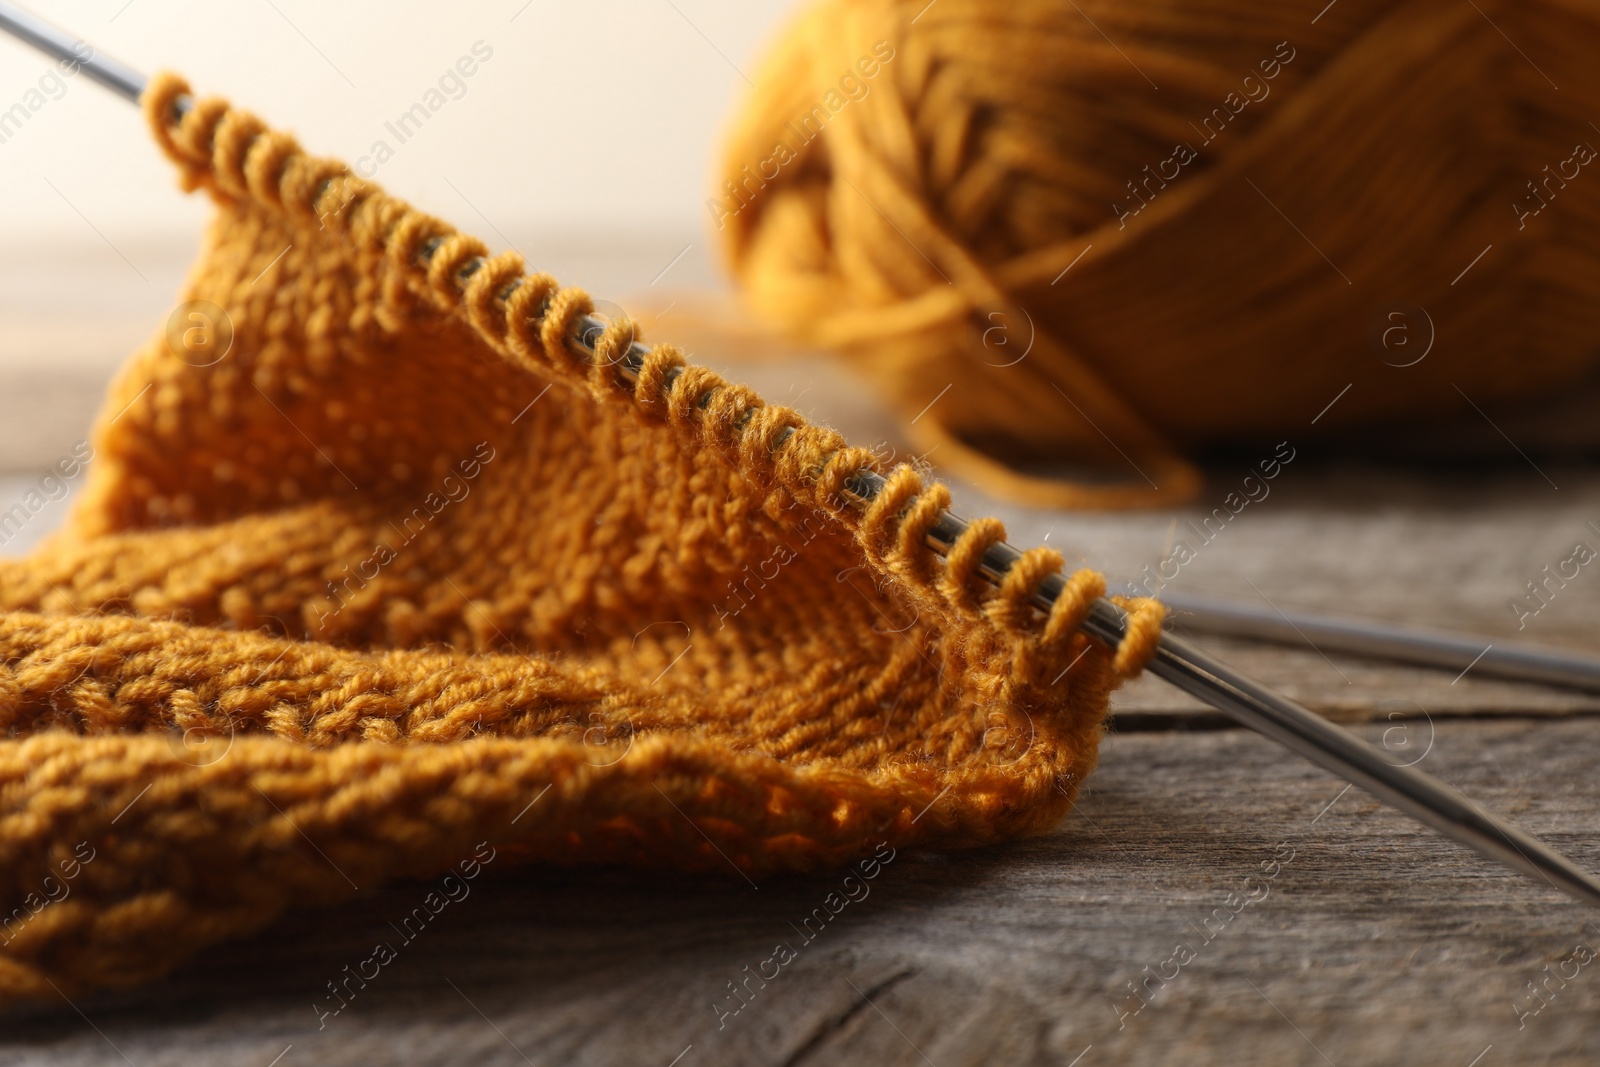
595	115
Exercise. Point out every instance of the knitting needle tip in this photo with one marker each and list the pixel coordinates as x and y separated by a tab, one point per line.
1417	793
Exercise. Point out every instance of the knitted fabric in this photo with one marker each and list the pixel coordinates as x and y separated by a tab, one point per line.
400	572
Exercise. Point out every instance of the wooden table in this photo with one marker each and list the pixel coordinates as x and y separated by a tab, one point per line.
1212	901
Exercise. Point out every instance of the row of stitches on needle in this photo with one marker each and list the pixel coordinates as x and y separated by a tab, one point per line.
245	159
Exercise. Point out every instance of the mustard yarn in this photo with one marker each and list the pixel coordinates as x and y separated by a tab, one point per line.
400	579
1193	212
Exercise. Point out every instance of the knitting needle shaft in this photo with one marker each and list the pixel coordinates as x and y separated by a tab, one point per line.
1364	637
1178	662
1415	792
121	80
1330	747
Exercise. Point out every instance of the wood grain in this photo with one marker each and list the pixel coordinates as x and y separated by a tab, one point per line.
1376	942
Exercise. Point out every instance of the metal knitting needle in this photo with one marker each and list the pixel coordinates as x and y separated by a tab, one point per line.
123	81
1380	640
1328	746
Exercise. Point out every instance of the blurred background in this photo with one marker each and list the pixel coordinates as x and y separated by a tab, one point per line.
600	116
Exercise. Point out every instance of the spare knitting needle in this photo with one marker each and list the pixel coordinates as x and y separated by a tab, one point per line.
1328	746
1381	640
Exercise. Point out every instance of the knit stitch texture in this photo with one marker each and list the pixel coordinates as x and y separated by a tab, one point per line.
401	571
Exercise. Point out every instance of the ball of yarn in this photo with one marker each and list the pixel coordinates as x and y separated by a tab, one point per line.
1110	234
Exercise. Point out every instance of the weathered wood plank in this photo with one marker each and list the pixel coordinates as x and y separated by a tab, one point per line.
1373	942
1376	943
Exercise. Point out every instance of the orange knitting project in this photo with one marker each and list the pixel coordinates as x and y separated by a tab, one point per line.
372	567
